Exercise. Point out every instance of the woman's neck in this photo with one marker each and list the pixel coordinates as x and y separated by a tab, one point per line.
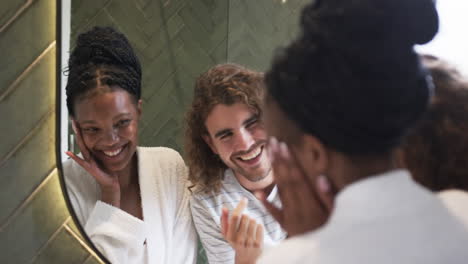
349	170
128	177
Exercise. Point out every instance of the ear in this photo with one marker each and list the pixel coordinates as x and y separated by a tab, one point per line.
209	142
314	155
140	102
74	125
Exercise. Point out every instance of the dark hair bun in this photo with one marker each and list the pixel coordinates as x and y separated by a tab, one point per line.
368	22
105	51
104	45
352	78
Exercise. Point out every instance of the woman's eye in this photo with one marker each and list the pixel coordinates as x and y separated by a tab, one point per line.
90	129
123	122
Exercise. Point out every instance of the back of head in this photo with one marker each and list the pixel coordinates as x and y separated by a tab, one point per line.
352	78
435	151
226	84
102	57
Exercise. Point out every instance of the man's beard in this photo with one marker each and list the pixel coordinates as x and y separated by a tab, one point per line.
252	177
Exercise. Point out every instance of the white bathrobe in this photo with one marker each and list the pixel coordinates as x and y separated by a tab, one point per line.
384	219
166	234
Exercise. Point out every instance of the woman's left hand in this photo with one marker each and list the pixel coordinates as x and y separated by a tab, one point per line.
110	187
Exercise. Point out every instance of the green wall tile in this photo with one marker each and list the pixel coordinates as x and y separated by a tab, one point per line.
257	28
25	40
125	18
27	168
29	102
92	260
9	9
84	11
29	232
64	248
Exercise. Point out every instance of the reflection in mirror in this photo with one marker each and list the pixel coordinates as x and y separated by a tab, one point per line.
122	95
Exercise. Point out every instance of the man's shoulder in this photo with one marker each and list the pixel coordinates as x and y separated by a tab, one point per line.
159	154
229	192
229	186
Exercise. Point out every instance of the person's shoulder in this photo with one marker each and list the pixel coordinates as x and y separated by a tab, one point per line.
228	185
160	156
73	172
79	183
299	249
160	152
456	202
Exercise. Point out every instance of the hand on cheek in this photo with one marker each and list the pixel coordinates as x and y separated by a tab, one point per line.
110	188
306	201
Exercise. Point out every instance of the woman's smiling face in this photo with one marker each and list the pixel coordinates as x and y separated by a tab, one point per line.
108	121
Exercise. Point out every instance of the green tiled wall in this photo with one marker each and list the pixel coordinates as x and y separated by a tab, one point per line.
257	28
35	225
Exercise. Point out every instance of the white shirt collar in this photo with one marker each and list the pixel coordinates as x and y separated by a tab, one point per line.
231	178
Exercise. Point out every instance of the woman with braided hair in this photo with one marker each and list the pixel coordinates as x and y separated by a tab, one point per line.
132	201
340	99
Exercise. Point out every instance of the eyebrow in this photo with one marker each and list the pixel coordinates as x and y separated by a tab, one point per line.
122	115
94	122
87	122
227	130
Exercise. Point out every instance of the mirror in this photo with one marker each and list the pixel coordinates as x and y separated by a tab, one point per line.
175	41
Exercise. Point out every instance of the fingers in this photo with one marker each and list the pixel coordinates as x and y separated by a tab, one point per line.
80	142
224	220
259	237
78	160
235	218
291	183
298	193
241	235
250	236
324	192
240	206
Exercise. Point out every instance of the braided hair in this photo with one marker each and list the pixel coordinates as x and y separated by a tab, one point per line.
102	57
352	78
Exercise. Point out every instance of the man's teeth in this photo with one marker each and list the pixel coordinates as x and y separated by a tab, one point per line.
113	153
252	154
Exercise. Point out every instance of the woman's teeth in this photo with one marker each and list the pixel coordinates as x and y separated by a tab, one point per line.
113	153
253	154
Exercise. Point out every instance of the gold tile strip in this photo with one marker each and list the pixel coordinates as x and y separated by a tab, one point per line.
23	204
83	243
47	243
28	136
4	94
16	15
